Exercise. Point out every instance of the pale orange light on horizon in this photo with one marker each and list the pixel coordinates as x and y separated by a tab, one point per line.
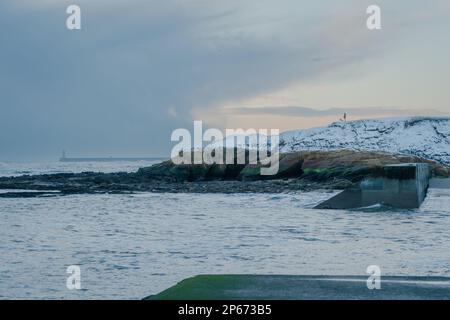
270	121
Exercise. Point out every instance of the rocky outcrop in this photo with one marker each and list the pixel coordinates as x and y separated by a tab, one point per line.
307	170
313	165
354	165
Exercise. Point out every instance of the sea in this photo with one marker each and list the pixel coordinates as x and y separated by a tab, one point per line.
135	245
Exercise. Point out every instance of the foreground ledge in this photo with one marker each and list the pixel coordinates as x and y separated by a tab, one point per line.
292	287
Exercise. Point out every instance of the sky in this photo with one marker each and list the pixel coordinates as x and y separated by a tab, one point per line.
137	70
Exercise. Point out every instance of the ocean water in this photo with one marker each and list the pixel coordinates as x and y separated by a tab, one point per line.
11	169
131	246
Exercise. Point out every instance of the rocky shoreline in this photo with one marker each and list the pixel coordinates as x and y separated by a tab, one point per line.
299	171
226	187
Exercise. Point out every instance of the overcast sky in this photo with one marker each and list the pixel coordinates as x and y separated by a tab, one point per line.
139	69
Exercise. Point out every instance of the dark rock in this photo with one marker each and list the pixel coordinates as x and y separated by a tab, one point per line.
217	172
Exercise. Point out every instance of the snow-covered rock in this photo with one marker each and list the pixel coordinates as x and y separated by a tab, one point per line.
421	136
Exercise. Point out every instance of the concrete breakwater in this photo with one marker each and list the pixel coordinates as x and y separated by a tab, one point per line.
400	185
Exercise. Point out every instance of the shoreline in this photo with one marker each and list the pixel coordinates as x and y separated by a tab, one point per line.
203	187
298	171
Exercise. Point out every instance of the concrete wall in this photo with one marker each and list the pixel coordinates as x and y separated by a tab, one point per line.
400	186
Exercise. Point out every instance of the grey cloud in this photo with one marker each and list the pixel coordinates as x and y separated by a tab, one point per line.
114	87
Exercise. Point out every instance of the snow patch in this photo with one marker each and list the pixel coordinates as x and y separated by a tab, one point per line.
425	137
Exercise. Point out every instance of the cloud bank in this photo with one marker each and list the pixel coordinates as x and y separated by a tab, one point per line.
138	68
305	112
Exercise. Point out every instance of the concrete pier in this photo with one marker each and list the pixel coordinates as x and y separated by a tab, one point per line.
399	186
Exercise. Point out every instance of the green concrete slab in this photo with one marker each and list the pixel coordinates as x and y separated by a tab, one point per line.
291	287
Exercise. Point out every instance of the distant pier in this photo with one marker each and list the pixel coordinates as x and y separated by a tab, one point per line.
110	159
64	158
